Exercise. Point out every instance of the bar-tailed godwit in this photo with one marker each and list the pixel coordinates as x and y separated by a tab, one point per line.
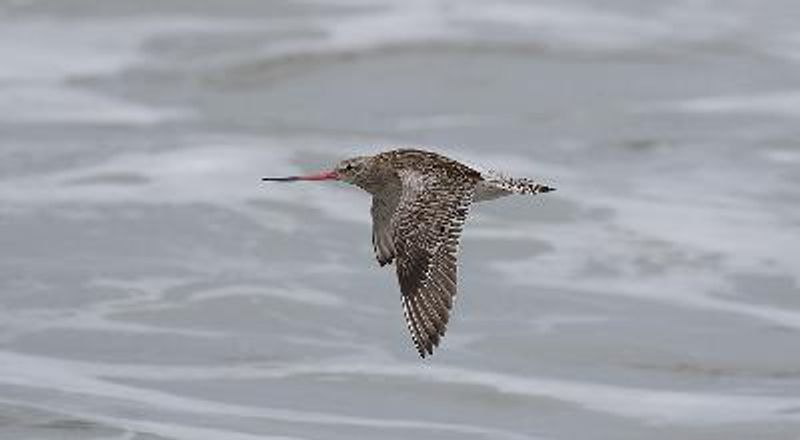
419	203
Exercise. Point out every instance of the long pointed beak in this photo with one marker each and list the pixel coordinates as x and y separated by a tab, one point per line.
327	175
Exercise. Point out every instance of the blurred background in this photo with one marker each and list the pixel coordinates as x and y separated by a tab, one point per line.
152	288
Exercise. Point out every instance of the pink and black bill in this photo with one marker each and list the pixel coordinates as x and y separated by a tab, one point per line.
327	175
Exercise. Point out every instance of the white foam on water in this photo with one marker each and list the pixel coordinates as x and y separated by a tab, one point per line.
739	230
179	431
446	121
93	319
788	157
133	427
781	103
656	406
370	27
298	294
702	292
550	323
400	23
374	26
665	241
99	315
572	26
58	104
693	265
40	56
222	175
556	25
74	381
41	50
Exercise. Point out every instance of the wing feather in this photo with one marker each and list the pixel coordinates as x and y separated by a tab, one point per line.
384	206
426	228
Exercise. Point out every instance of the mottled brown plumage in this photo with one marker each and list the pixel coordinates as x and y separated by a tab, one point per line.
420	201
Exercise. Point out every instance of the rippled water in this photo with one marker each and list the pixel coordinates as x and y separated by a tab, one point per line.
152	288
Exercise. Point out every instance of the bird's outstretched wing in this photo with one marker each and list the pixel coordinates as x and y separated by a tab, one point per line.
426	228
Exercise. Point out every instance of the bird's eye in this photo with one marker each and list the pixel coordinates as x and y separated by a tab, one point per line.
349	167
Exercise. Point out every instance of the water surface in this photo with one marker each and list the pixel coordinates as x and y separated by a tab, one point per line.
152	288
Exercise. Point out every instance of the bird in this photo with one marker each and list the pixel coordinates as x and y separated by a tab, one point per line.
420	201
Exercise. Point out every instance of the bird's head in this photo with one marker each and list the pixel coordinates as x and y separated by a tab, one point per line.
352	171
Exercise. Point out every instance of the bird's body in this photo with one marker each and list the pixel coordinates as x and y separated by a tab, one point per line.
420	201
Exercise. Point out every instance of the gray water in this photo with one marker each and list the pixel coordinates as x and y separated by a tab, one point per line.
152	288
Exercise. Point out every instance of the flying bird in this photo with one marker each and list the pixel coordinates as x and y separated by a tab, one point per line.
420	201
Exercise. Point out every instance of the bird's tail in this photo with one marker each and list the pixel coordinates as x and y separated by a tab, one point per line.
518	185
528	186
